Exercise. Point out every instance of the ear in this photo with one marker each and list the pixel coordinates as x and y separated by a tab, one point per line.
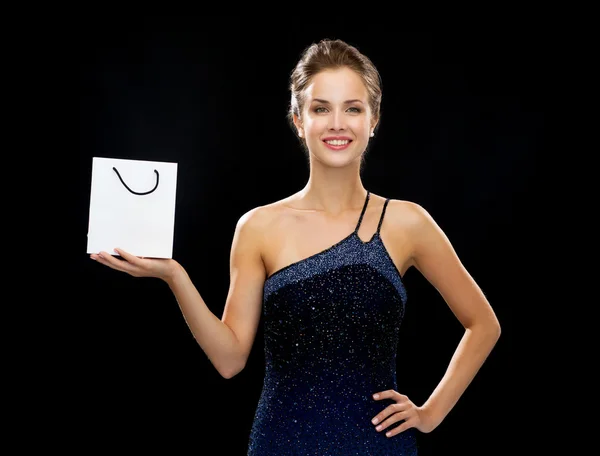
373	126
298	124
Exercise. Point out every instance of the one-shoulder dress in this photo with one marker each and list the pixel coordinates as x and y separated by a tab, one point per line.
331	332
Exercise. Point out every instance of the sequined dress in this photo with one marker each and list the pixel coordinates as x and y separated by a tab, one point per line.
331	327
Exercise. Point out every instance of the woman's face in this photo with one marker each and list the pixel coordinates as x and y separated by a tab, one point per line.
336	120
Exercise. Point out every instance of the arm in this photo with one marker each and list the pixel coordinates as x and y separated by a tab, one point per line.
436	259
227	341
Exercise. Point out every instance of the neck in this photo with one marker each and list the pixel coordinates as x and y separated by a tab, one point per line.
333	190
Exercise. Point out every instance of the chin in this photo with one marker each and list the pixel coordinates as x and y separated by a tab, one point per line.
337	160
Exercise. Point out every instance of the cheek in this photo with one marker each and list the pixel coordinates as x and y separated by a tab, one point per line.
315	125
360	125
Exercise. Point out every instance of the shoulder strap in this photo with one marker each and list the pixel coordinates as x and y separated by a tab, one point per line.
363	212
382	214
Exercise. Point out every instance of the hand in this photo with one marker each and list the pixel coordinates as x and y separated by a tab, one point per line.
137	266
403	409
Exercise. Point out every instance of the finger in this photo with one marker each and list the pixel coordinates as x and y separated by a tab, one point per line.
391	420
398	429
127	256
108	260
105	259
389	394
389	411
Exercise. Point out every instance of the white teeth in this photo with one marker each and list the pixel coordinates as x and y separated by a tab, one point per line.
338	142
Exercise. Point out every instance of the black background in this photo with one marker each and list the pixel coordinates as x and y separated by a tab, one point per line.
462	122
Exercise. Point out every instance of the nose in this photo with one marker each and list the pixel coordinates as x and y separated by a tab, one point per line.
337	121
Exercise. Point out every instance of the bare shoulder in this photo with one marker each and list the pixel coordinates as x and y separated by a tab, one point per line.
406	223
406	215
260	218
258	223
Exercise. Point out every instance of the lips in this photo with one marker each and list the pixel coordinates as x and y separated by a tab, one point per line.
337	142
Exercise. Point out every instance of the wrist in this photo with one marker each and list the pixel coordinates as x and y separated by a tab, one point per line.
173	273
430	416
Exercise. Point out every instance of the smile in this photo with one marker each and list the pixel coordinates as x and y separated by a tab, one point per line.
337	144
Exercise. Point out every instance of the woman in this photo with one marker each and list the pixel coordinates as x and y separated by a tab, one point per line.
323	268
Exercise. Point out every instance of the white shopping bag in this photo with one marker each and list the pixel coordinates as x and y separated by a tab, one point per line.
132	207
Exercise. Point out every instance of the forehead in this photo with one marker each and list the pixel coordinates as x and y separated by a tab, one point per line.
337	85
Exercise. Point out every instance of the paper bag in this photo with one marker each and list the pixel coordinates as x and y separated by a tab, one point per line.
132	207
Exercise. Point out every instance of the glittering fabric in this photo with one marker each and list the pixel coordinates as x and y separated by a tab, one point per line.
331	325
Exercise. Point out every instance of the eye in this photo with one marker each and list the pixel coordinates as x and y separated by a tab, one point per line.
321	109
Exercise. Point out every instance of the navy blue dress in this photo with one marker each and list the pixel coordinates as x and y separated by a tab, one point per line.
331	326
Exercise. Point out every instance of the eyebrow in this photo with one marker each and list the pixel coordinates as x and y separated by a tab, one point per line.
320	100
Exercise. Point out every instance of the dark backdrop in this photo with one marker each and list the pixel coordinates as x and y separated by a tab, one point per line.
461	125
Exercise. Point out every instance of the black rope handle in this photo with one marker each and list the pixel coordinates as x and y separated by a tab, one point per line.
137	193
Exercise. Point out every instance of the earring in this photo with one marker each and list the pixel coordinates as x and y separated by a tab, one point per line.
372	134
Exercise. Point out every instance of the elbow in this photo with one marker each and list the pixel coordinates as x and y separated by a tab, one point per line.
227	375
233	363
489	330
232	371
493	331
496	329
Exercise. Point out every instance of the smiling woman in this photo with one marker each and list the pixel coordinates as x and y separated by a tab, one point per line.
335	91
324	269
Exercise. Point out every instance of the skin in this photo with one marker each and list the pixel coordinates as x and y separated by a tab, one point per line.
325	211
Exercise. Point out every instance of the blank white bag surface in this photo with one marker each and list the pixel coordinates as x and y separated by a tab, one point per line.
139	224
